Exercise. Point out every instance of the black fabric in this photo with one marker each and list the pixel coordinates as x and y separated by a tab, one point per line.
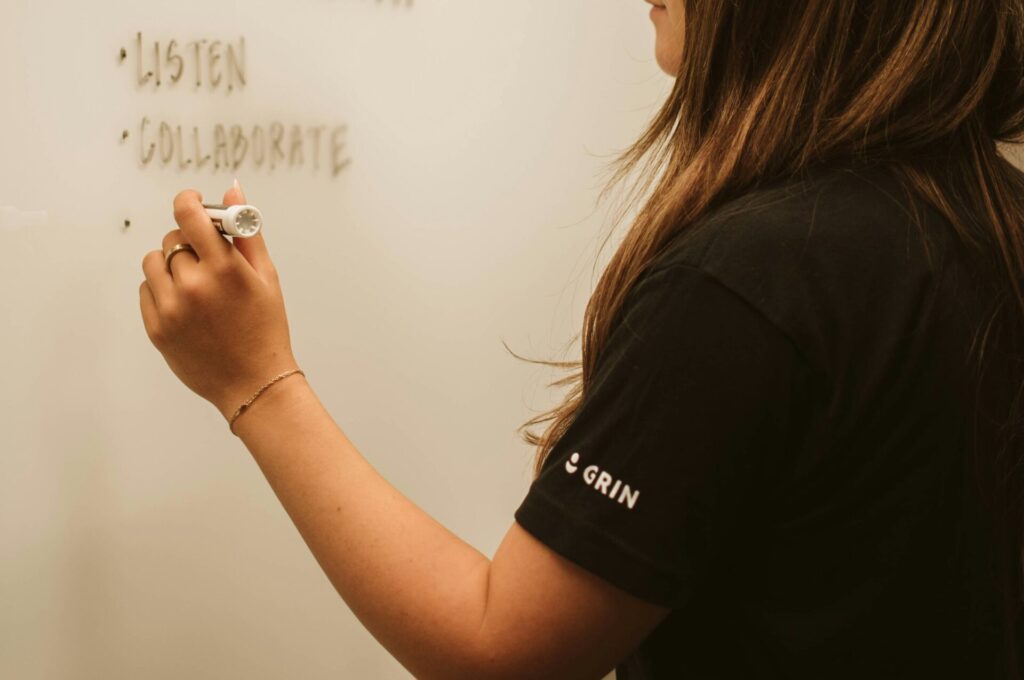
774	444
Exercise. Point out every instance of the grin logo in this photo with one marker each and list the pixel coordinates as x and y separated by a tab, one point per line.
599	480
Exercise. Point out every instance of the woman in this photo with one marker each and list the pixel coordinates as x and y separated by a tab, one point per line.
791	449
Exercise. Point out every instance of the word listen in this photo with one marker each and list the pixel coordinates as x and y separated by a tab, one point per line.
214	62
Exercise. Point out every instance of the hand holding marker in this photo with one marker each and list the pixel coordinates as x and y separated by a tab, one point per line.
240	221
222	287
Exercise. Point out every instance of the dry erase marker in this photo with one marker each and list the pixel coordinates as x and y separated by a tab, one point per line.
242	221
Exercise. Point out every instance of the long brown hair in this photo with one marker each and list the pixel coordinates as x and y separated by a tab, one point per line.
769	88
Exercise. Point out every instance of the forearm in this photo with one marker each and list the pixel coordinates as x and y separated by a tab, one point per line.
420	590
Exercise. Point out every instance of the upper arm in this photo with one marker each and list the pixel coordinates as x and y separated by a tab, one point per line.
653	488
546	617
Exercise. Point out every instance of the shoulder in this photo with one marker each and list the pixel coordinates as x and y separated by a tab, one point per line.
841	211
817	255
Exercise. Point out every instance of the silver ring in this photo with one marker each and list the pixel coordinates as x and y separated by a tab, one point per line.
175	250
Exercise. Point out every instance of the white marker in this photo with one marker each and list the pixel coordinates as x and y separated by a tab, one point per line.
242	221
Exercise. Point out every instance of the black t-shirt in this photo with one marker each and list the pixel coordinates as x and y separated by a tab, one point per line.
773	444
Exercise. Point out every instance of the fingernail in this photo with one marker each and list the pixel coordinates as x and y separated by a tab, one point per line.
238	186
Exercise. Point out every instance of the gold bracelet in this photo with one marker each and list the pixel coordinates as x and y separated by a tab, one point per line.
250	400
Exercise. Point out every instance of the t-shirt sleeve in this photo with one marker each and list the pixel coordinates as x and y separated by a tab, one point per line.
657	476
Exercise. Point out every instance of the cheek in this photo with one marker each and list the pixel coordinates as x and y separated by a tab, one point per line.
669	31
675	7
667	51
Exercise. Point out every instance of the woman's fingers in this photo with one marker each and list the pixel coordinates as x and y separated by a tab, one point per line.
158	279
150	315
210	245
183	264
198	229
254	249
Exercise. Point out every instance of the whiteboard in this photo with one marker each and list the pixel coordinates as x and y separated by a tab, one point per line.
456	210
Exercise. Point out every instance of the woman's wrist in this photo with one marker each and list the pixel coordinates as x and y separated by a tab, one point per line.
281	391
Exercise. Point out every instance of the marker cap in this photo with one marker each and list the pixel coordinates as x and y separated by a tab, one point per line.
241	221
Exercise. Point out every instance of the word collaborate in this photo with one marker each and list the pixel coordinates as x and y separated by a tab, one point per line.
211	65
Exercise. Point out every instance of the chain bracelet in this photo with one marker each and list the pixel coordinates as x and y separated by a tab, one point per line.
250	400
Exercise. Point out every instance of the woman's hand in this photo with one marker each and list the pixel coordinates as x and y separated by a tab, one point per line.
218	316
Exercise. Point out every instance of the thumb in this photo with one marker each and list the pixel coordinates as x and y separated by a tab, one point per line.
254	248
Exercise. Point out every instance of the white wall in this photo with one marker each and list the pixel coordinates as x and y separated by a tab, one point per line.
137	537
